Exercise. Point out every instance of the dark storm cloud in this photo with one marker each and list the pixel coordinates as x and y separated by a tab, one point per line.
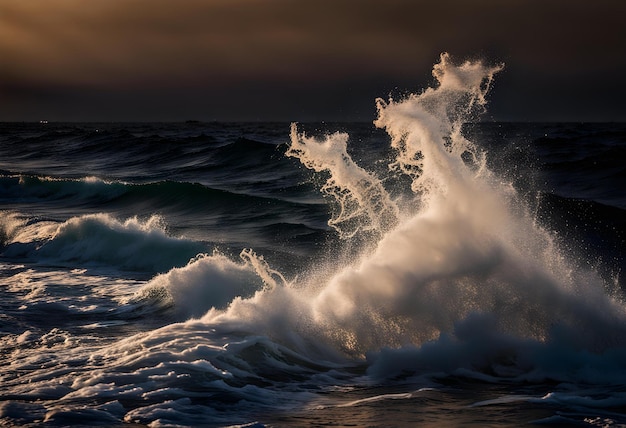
288	59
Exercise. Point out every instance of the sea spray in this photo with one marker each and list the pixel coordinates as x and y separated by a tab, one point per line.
425	128
469	247
10	224
363	204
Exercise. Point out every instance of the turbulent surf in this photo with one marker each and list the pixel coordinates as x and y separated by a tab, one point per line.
428	266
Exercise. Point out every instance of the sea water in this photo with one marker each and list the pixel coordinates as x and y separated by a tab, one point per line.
424	269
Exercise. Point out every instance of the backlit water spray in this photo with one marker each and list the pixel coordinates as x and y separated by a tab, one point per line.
467	250
459	258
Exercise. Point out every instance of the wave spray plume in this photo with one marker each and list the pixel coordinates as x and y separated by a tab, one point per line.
467	249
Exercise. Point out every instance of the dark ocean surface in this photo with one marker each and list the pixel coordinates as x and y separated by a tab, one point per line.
418	273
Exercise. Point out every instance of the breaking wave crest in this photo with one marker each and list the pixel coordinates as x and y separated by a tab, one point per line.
99	240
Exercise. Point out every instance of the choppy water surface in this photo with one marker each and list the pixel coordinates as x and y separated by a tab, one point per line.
424	269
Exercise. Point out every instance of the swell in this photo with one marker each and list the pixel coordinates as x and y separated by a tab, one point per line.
573	160
122	151
105	233
162	196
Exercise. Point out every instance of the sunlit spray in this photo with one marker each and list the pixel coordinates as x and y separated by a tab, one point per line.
468	248
456	256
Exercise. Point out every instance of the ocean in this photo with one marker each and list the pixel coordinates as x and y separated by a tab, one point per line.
428	268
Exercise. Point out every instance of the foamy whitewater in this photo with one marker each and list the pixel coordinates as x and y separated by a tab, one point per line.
433	270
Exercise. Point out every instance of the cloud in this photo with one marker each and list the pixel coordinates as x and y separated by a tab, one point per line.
139	40
217	46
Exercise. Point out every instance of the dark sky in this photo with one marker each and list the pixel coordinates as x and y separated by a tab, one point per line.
297	60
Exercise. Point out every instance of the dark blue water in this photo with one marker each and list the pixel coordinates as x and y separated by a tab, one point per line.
423	272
